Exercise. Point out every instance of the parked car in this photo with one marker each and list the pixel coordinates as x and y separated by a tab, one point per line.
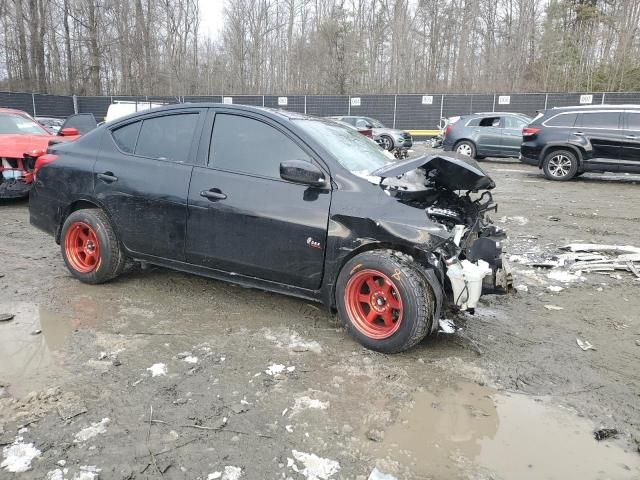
367	132
488	134
389	138
22	141
51	124
122	108
569	141
275	200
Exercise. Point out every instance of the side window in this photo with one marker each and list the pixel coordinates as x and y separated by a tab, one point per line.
168	137
514	123
490	122
361	123
600	120
125	137
474	122
633	121
563	120
245	145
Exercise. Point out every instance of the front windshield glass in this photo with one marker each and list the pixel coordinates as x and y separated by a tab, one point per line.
13	124
354	151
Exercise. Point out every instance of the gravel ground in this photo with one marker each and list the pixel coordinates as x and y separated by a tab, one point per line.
166	375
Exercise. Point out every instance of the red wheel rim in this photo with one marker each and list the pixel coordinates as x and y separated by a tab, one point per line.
373	304
81	248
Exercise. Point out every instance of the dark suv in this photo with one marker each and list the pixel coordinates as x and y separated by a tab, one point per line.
566	142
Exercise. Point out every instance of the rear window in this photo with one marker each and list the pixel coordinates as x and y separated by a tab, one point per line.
490	122
168	137
474	122
600	120
562	120
125	137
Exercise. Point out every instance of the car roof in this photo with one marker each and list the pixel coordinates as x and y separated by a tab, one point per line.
490	114
13	110
603	106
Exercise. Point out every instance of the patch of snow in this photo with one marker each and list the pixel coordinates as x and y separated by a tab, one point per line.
316	468
521	288
56	474
447	326
18	456
191	359
378	475
519	220
293	342
305	403
231	473
214	476
158	369
277	369
87	472
93	430
555	288
553	307
563	276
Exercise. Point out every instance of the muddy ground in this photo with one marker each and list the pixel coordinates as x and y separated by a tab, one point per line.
256	385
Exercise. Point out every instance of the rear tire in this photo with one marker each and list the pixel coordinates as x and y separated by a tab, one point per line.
90	247
466	148
560	165
384	301
387	142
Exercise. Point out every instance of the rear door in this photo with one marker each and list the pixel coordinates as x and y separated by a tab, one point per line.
603	133
630	146
487	134
243	217
512	135
142	178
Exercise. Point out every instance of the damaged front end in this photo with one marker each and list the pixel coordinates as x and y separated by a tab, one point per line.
455	193
16	175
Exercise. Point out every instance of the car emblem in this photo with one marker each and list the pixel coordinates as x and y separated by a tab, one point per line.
312	243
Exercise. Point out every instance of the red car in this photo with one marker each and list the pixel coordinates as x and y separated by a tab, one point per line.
22	141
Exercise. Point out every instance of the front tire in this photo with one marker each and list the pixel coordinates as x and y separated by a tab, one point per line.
90	247
387	142
466	148
560	165
384	301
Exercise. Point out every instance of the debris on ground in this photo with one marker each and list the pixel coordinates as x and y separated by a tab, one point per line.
91	431
276	369
521	288
553	307
230	473
604	433
306	403
375	435
447	326
315	468
585	345
5	317
18	456
555	288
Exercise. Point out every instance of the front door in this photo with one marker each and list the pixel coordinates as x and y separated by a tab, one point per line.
244	218
512	135
142	178
488	135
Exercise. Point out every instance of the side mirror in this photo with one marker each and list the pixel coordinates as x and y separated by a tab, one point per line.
369	125
69	132
299	171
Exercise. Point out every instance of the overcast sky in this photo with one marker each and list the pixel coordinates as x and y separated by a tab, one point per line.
211	17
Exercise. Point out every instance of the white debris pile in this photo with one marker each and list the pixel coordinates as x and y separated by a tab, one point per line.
314	467
379	475
278	369
447	326
18	456
307	403
91	431
158	369
292	341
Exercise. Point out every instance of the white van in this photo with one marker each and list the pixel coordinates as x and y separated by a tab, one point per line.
122	108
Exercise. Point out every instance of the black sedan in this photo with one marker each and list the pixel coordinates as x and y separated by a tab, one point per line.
274	200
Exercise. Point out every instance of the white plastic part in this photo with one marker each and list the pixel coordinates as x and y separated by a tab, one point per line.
9	174
466	281
458	232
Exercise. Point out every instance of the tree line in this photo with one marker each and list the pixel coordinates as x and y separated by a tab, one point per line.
156	47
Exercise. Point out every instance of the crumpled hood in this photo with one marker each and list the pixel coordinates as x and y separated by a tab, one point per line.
449	171
15	146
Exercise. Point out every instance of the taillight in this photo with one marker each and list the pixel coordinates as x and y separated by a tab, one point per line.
44	160
447	130
529	131
367	133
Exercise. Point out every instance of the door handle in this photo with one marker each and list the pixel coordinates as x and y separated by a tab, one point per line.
107	177
213	194
580	134
631	137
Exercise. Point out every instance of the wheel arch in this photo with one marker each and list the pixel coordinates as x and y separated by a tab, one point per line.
460	140
78	204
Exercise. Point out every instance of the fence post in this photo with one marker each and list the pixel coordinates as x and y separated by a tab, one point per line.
75	104
546	100
395	105
441	106
349	106
603	94
33	103
305	104
493	109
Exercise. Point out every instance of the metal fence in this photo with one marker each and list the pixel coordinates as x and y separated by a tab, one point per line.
418	113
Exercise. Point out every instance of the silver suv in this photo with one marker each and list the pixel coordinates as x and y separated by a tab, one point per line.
388	138
490	134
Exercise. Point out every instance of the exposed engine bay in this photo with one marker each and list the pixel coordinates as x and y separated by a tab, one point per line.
454	193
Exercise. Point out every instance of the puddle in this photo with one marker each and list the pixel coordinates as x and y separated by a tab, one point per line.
474	432
27	362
